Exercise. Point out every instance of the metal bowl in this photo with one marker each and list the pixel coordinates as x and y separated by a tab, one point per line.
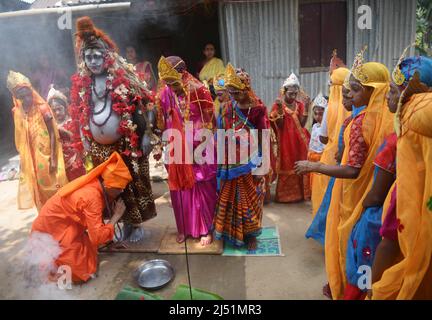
154	274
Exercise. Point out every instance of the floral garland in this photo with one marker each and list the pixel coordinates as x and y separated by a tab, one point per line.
125	98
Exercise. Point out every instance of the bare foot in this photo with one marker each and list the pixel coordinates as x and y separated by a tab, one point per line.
327	291
180	238
136	235
206	240
252	244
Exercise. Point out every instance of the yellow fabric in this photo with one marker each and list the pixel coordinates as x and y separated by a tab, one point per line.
387	202
114	172
410	278
32	140
336	115
211	69
348	194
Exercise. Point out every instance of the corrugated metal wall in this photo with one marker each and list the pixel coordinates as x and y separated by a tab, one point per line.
262	37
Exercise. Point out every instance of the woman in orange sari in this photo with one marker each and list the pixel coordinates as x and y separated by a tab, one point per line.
371	123
42	170
287	118
335	115
405	254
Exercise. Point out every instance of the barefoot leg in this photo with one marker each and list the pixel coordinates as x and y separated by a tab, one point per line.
252	243
180	238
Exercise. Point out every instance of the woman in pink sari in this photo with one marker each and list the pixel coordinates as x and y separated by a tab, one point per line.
183	100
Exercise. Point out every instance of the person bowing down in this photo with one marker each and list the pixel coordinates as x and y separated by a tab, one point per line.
74	216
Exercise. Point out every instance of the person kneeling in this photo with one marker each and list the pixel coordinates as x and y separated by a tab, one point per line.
74	216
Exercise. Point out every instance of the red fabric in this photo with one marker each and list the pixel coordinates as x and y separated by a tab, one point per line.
389	229
386	158
75	221
354	293
358	146
292	138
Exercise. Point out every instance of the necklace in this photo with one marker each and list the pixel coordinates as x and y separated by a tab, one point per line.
93	87
234	113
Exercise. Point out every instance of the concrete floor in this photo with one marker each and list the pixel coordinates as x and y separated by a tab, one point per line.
300	274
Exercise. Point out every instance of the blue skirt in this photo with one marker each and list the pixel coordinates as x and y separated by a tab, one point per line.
318	226
363	243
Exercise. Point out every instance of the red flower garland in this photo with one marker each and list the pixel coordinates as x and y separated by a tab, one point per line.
124	102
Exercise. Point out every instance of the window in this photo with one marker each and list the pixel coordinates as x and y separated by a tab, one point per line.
323	27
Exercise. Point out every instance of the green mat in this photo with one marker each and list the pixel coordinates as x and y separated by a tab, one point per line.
182	293
268	245
129	293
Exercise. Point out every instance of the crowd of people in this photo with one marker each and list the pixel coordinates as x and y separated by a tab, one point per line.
85	160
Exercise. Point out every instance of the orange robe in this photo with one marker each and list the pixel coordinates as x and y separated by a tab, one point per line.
75	221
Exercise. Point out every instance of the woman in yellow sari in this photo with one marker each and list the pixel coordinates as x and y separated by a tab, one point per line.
372	122
336	115
212	66
42	170
411	276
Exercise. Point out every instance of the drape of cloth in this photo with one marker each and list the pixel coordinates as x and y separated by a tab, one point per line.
411	278
313	157
193	186
75	221
241	198
348	194
293	143
211	69
73	159
32	140
336	114
318	226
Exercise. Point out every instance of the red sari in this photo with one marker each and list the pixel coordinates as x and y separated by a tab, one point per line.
293	142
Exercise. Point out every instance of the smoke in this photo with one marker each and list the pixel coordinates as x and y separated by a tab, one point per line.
34	267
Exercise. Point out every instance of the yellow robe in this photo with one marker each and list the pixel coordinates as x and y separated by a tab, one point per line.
411	278
32	140
348	194
336	114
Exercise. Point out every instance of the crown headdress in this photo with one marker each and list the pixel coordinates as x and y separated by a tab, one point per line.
167	71
357	67
232	79
397	75
292	80
15	79
320	101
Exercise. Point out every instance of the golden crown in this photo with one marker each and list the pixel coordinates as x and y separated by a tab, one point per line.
15	79
167	71
397	75
232	79
357	67
219	82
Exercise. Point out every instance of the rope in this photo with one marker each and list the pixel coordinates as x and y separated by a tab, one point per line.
185	244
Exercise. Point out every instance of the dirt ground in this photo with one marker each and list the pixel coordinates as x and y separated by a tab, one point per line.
299	274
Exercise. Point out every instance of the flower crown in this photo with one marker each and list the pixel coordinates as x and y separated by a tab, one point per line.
15	79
